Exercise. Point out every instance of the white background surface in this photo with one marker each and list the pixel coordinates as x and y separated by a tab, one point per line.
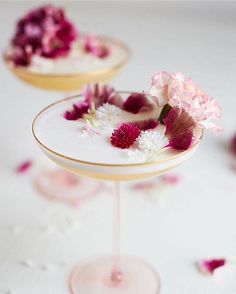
177	226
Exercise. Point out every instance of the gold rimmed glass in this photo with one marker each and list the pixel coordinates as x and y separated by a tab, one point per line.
58	184
113	274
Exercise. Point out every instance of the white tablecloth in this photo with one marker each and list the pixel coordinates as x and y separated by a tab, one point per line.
41	241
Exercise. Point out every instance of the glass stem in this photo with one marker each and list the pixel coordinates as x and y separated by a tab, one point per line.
116	275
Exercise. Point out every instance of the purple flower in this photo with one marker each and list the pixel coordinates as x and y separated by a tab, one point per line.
208	267
100	94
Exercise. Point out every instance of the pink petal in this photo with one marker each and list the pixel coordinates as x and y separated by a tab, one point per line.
171	179
208	267
24	167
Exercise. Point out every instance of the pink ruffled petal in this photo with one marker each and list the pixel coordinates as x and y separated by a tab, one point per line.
177	91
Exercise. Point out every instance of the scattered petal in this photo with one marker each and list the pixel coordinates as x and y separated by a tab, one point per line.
125	135
24	167
137	102
96	46
171	179
208	267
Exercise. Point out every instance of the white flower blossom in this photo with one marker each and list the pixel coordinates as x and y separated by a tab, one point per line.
151	142
108	115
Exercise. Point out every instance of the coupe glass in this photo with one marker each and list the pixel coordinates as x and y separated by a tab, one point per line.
57	184
117	273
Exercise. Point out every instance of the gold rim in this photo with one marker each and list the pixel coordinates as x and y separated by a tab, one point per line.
116	67
102	164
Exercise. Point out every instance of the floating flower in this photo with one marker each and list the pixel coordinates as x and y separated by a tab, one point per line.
179	128
44	31
108	115
96	46
100	94
24	167
125	135
177	91
152	141
147	124
78	111
137	102
208	267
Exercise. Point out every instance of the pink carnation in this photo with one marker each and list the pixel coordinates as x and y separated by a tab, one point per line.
100	94
177	91
96	46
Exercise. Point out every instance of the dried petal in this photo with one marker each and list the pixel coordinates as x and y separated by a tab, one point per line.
208	267
179	128
125	135
137	102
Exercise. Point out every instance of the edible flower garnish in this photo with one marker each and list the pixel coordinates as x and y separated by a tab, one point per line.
125	135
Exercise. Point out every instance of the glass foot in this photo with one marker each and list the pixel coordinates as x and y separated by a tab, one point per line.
60	185
96	277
